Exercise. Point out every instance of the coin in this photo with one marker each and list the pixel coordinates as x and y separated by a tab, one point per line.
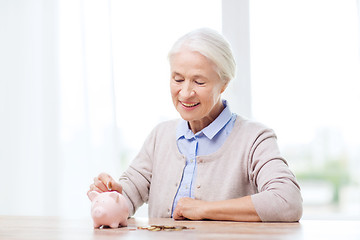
143	228
156	228
109	186
169	227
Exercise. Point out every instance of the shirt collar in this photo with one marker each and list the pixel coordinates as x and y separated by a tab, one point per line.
210	131
183	130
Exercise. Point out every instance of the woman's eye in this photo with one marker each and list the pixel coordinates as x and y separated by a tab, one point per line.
199	83
178	80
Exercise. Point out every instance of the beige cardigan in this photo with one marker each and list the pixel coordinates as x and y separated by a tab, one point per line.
248	163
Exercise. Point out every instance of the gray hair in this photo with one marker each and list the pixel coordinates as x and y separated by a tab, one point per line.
213	46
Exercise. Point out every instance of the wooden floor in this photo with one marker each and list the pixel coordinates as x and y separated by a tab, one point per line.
16	228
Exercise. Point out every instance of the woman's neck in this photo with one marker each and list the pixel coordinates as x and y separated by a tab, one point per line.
198	125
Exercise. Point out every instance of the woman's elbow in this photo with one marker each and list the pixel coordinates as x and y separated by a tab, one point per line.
272	207
291	211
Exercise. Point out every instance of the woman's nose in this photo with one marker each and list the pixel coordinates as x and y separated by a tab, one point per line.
187	91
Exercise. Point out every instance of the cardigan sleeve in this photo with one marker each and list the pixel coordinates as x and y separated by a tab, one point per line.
278	197
136	180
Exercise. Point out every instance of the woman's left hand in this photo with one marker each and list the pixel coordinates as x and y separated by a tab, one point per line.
188	208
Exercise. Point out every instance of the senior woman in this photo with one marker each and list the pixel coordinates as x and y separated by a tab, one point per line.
211	163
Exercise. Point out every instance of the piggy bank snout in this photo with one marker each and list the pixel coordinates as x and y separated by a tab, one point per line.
98	212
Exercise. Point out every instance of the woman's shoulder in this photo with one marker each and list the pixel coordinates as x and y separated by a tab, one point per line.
165	128
251	127
162	133
167	125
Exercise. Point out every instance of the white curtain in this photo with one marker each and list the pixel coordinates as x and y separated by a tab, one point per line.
60	116
358	8
89	139
28	124
58	127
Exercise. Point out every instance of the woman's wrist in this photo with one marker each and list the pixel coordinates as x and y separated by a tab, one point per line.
207	210
240	209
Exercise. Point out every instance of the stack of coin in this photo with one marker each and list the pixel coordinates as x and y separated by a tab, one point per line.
155	228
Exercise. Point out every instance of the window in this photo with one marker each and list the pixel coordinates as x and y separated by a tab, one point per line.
305	85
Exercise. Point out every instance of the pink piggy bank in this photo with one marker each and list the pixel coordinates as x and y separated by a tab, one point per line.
108	209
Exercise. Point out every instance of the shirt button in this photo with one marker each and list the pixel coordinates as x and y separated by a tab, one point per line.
176	184
198	186
191	160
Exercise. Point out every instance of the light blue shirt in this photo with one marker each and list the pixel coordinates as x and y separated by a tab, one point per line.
205	142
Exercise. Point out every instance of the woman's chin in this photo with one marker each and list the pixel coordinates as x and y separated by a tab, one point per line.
188	117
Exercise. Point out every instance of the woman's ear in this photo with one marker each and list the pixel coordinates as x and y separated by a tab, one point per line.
224	86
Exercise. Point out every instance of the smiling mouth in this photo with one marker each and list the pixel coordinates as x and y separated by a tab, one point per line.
189	105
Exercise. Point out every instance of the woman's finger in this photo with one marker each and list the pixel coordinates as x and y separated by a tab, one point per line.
93	188
109	183
105	183
106	178
100	185
177	214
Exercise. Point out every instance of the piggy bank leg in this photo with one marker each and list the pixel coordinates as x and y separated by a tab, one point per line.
114	225
97	225
123	223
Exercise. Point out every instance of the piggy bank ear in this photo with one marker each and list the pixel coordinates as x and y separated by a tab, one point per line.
92	195
115	196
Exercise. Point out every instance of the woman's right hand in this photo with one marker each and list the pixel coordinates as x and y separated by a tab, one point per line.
105	183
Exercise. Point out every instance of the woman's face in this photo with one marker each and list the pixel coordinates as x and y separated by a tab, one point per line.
195	87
